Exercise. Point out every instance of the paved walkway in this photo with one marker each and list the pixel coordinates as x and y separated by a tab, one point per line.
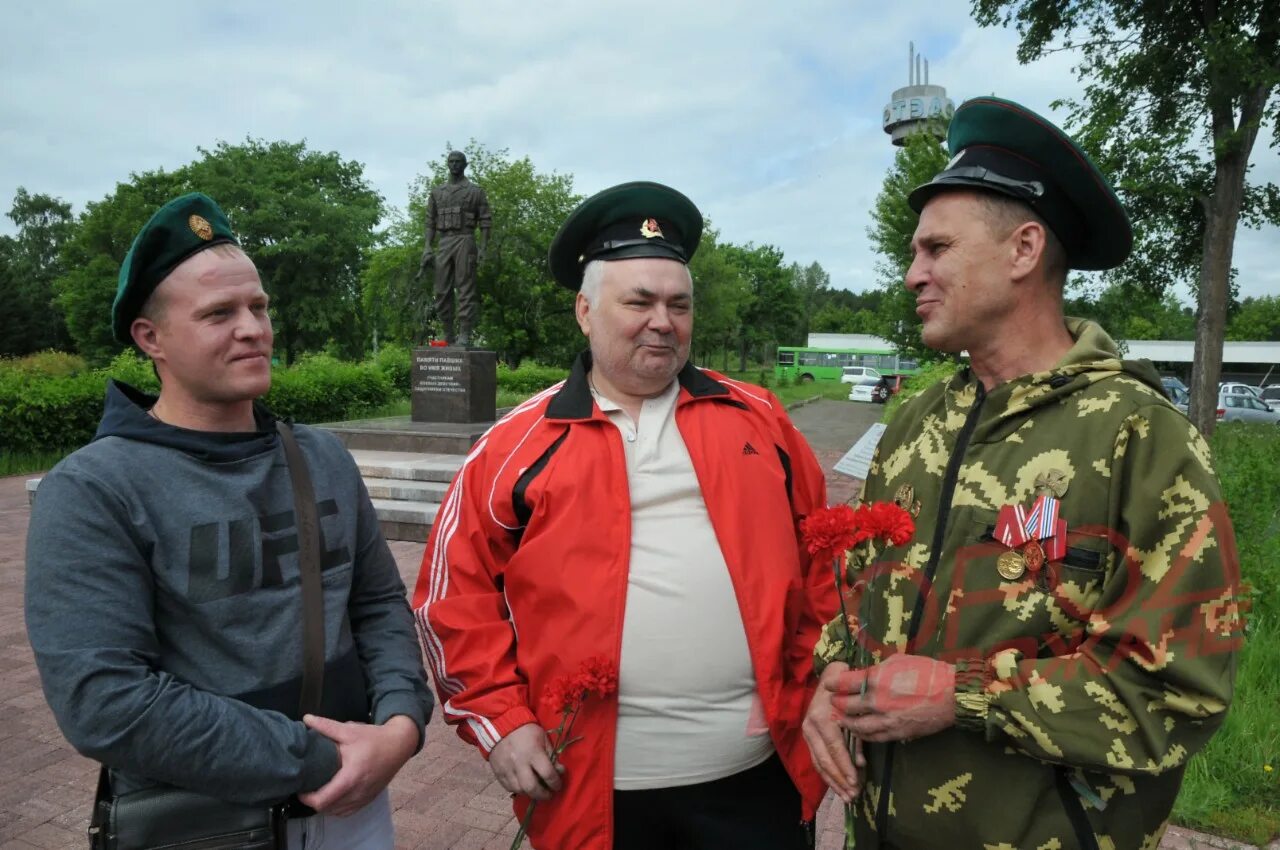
444	799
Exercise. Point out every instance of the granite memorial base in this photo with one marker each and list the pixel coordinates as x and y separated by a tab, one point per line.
454	385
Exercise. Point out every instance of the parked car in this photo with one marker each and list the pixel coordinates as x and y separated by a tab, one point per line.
1237	389
878	392
859	375
1271	394
863	392
1173	387
1234	407
1239	407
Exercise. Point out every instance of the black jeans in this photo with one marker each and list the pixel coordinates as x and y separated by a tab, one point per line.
758	809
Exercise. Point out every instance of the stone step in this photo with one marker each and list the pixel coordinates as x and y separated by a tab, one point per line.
408	490
407	466
405	520
400	434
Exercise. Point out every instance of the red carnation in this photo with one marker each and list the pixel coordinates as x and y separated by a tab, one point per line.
889	522
600	676
830	532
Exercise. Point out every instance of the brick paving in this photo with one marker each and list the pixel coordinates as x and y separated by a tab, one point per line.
444	799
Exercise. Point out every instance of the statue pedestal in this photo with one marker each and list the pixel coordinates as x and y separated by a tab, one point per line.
454	385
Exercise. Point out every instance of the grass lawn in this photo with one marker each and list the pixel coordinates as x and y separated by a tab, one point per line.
1233	786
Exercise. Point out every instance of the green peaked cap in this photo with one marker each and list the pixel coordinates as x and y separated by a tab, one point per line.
639	219
1000	146
178	230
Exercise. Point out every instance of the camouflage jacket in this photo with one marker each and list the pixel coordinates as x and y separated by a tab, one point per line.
1082	688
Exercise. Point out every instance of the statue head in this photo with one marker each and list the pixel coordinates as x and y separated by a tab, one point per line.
457	162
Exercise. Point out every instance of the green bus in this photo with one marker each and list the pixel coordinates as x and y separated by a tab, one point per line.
803	364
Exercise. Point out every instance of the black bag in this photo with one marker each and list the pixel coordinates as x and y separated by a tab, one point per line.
169	818
156	818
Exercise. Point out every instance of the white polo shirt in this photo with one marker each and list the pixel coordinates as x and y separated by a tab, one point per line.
688	711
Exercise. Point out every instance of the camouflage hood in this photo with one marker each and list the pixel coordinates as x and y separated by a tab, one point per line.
1093	358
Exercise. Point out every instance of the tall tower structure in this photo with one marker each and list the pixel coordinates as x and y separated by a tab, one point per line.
911	107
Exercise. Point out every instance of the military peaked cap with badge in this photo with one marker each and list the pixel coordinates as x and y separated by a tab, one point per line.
180	229
1003	147
639	219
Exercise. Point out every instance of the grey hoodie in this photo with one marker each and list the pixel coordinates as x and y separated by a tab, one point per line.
164	606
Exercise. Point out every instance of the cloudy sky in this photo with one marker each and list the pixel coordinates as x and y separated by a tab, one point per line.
767	114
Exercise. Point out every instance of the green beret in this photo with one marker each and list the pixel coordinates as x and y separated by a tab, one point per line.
639	219
181	228
1000	146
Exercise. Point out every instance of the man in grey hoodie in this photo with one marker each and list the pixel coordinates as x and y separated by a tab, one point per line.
163	596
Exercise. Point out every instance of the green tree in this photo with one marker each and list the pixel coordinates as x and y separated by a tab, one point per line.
893	223
720	293
1256	319
836	319
1129	312
524	313
91	258
1176	94
305	218
29	263
771	313
811	283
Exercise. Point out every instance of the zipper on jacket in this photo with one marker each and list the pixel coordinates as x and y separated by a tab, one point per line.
926	586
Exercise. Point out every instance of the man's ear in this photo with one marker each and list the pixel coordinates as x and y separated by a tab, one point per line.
581	311
146	336
1026	247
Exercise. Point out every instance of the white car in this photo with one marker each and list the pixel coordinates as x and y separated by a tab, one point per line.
1237	389
878	392
859	375
862	392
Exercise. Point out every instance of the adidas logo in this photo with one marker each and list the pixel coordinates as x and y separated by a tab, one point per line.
748	449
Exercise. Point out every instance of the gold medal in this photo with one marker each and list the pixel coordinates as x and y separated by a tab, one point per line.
1010	566
1033	554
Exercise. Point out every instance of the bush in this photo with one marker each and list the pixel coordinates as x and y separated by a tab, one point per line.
396	363
319	388
42	413
530	378
46	363
39	413
928	375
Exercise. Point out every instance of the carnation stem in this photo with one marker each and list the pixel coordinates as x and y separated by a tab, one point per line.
558	746
849	652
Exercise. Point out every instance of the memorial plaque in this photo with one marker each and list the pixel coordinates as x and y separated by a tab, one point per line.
454	385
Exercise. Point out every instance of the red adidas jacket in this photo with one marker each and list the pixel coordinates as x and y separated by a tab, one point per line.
525	575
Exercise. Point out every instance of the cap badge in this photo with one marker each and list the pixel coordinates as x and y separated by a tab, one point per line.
200	227
650	228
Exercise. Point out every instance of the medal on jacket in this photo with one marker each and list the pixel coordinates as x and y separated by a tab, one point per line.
1010	565
906	499
1052	482
1022	530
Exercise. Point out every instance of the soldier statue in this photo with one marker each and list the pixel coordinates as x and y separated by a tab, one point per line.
454	210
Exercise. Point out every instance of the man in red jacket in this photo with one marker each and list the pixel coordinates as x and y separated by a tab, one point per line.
645	511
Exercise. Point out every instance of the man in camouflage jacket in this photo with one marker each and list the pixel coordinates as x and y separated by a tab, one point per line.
1043	692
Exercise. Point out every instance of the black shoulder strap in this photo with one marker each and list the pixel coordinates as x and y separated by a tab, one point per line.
304	509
